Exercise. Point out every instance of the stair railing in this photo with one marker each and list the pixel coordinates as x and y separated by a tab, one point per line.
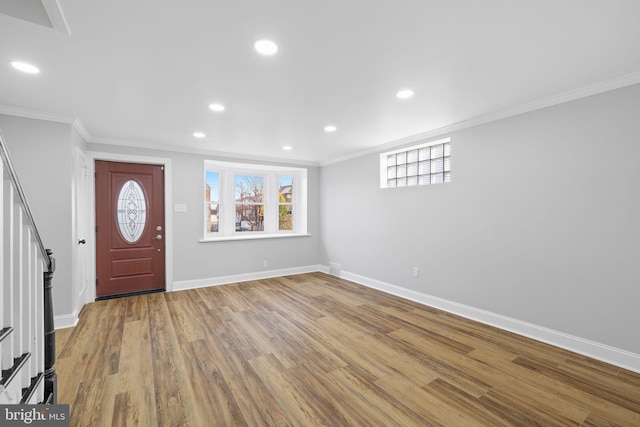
27	336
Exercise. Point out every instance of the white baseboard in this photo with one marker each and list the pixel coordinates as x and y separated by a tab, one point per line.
622	358
595	350
225	280
66	320
70	320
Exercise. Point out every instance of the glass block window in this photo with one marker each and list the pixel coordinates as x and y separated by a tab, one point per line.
423	164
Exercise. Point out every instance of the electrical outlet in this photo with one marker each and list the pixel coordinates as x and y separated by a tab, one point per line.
265	263
416	272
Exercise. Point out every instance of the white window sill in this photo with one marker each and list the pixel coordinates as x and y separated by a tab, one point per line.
252	237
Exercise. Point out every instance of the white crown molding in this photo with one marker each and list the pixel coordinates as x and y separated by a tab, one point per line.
572	95
595	350
200	151
54	11
582	92
79	126
29	113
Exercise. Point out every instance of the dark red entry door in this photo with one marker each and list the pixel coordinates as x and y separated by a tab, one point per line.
130	229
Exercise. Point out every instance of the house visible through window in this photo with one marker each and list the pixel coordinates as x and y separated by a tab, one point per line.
246	200
249	202
285	203
422	164
212	201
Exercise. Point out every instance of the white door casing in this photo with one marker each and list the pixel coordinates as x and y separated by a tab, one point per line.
81	232
91	203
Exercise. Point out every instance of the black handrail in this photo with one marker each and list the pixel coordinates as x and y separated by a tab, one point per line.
8	165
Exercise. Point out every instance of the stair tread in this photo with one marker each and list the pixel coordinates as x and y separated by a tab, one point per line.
5	332
28	392
9	374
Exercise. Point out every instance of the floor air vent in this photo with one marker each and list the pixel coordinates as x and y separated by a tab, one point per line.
334	269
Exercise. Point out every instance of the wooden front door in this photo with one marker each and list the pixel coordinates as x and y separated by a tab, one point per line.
130	228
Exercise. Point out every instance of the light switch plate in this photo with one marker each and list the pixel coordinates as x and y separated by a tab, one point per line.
180	207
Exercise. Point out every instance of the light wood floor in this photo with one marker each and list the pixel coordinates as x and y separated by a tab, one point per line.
312	350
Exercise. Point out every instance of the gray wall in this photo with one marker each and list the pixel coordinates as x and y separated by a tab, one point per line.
42	154
194	260
541	221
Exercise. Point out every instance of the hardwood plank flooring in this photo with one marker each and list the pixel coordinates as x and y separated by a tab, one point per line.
313	349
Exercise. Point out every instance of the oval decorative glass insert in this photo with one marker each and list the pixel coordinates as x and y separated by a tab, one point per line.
132	211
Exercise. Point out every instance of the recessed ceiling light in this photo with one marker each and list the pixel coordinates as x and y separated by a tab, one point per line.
25	68
330	128
199	135
216	107
287	147
265	47
405	94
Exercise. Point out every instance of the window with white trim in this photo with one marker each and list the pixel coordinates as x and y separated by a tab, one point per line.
253	201
423	164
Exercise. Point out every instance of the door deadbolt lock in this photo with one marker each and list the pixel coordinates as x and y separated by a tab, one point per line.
159	228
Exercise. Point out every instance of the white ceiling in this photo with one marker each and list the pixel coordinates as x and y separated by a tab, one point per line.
143	72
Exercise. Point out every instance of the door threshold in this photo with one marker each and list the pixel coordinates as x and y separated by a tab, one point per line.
130	294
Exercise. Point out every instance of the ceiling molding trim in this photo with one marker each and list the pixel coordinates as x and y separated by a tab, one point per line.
572	95
79	126
54	11
201	151
29	113
583	92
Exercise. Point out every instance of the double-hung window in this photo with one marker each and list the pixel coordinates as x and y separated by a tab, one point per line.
253	201
249	202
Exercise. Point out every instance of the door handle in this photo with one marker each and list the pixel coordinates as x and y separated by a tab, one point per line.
82	242
159	237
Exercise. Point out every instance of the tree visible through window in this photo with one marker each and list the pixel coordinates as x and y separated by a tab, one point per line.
253	201
212	201
285	203
249	198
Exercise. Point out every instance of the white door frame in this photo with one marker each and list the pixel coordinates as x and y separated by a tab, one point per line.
168	218
81	230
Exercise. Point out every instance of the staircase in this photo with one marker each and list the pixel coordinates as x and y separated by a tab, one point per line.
27	335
